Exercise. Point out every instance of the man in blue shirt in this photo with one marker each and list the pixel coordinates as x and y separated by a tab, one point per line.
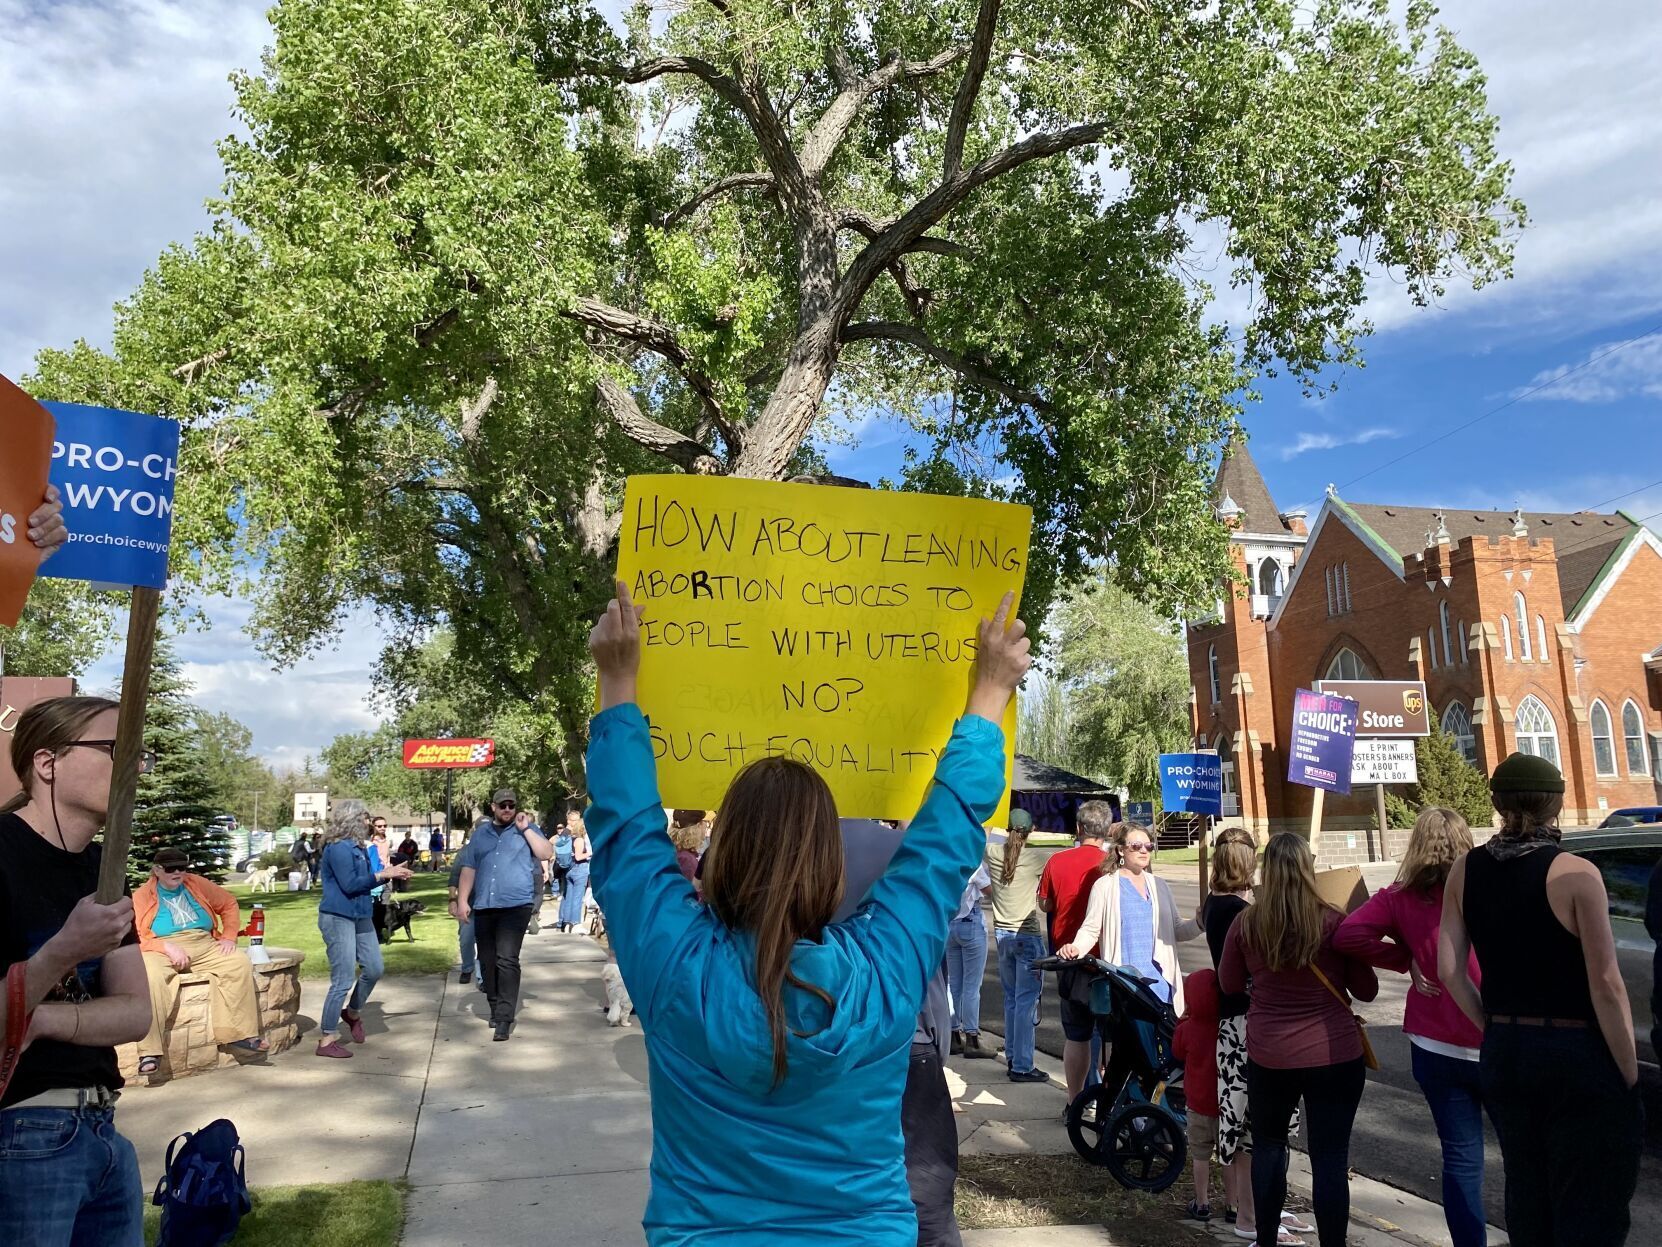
497	892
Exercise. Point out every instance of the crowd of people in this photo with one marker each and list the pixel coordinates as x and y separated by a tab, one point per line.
802	979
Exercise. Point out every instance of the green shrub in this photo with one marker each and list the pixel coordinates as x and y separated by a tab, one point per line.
1446	779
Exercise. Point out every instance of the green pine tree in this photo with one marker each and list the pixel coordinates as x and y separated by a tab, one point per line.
178	799
1446	779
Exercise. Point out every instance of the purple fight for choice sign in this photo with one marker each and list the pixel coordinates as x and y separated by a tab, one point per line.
1324	737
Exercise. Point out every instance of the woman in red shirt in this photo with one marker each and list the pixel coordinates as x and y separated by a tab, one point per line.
1397	930
1302	1042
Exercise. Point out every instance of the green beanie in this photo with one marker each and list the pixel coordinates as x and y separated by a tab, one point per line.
1524	772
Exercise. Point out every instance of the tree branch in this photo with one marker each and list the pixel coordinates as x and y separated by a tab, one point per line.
835	122
974	372
872	228
969	89
474	413
661	340
732	182
912	225
620	407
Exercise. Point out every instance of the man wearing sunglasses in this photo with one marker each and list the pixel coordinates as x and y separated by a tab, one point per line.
189	924
497	891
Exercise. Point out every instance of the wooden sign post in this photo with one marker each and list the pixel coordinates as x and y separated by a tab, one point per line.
129	743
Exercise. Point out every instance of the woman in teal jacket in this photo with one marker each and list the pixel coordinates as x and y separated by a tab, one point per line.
778	1041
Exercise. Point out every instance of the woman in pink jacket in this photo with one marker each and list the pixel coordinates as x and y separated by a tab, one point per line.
1397	930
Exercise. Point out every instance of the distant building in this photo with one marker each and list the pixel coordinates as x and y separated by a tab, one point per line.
1532	632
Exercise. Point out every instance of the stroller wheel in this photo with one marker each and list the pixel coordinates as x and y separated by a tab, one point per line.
1144	1146
1086	1115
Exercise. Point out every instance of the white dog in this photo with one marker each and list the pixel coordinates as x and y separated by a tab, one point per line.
619	1006
263	880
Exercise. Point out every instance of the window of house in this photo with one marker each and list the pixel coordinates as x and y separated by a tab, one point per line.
1226	759
1461	641
1604	744
1431	646
1506	637
1457	722
1633	733
1332	608
1537	733
1344	572
1448	647
1269	578
1521	608
1346	666
1212	671
1541	650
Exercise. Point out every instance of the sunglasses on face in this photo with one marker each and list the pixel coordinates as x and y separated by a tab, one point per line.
146	759
507	805
1139	846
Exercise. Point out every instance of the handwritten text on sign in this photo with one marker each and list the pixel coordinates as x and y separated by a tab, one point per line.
836	626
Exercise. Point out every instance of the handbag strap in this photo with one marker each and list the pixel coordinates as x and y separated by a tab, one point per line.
17	1021
1337	994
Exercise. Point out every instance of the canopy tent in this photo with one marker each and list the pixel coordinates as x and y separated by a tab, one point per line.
1052	795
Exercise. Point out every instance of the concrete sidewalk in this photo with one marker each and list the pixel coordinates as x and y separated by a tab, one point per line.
547	1138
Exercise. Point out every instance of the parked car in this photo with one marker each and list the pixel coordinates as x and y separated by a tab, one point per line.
1633	816
1627	859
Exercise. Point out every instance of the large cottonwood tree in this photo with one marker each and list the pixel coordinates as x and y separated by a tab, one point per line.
477	259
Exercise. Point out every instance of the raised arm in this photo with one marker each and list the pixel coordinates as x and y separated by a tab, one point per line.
910	906
649	905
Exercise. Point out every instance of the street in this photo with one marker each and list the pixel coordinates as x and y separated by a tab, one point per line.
1394	1140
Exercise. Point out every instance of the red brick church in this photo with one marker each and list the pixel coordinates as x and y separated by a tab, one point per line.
1532	632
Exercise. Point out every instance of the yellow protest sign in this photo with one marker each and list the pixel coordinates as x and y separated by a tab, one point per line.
833	625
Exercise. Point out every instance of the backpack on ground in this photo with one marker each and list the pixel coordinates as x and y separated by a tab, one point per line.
564	857
203	1194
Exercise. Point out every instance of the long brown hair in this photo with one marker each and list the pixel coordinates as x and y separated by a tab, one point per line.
53	725
1234	859
775	869
1015	840
1284	922
1440	837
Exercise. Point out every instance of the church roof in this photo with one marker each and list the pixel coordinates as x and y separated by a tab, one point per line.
1239	481
1583	542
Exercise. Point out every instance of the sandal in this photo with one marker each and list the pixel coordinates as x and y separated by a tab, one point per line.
1283	1236
149	1064
1297	1224
257	1044
1198	1212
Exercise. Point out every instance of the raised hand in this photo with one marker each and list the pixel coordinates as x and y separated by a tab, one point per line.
615	643
1002	658
46	526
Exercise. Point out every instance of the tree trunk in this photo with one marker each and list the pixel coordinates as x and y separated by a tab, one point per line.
794	403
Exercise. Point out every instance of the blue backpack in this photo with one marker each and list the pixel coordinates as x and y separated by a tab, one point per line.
203	1194
564	858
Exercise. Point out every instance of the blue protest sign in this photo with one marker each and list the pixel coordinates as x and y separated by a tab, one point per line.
1191	783
1324	738
1140	812
115	470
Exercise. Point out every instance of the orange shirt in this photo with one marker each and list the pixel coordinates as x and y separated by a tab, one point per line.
216	900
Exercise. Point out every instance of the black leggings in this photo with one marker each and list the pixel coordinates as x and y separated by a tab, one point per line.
1331	1094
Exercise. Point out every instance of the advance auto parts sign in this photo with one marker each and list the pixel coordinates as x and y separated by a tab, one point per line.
423	754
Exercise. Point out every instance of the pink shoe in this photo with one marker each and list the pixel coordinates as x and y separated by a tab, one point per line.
355	1024
333	1048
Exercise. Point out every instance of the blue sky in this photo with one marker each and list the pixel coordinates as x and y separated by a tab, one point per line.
113	109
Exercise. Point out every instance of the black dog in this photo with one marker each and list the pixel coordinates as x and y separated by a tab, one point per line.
395	914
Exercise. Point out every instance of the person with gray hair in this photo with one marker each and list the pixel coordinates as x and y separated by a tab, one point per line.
345	916
1064	894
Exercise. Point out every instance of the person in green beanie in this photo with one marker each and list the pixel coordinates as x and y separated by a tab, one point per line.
1559	1067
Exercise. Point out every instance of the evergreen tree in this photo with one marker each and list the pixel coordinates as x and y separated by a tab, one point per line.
1446	779
178	799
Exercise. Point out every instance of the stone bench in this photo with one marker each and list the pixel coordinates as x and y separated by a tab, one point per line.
189	1035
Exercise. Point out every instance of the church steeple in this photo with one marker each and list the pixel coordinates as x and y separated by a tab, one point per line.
1240	490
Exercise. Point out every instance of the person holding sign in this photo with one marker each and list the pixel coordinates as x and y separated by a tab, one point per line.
75	988
779	1039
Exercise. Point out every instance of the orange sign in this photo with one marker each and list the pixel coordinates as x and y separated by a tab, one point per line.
419	754
25	458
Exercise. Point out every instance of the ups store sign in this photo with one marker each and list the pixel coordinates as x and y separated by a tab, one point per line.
1384	707
17	694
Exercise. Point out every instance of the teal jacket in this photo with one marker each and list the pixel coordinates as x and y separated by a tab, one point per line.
818	1159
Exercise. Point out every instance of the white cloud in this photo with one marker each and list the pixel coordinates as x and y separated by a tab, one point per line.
1329	441
1608	374
112	115
293	713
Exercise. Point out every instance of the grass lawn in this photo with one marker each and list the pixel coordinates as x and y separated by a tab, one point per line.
352	1214
1007	1192
291	922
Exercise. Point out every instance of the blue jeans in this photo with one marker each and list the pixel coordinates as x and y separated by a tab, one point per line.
1453	1088
464	941
350	951
571	895
966	962
1016	954
68	1179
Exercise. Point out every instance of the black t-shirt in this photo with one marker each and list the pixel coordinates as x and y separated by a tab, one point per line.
39	885
1220	915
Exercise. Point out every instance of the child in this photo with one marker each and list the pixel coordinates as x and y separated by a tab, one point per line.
1196	1045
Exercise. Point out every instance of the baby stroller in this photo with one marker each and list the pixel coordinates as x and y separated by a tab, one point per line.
1134	1122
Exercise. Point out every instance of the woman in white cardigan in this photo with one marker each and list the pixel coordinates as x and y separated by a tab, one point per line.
1132	918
